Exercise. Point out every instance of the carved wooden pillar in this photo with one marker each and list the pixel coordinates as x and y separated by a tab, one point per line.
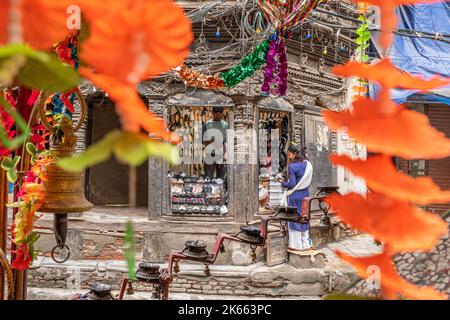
245	189
158	197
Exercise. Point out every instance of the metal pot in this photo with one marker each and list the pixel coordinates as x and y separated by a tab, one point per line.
147	271
195	249
250	234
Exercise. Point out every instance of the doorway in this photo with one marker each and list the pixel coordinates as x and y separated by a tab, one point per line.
108	183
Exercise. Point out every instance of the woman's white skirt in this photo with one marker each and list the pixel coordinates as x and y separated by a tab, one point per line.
299	240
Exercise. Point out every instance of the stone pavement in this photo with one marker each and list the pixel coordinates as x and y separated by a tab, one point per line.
302	277
65	294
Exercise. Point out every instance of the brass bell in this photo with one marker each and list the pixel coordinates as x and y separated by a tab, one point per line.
64	191
325	223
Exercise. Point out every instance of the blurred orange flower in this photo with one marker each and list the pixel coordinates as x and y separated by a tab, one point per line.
391	283
404	132
130	41
398	224
388	16
381	176
43	22
133	40
387	75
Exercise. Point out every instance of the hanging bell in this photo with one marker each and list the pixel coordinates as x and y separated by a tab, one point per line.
64	190
325	223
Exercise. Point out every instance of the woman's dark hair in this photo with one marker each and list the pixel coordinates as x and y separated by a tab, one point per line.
299	153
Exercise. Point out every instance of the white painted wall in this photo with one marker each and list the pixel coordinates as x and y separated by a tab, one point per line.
347	182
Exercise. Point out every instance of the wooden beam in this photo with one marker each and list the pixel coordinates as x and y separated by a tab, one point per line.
3	224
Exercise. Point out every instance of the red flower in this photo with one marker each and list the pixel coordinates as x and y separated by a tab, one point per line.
23	258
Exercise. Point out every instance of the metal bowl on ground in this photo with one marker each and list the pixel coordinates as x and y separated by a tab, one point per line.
195	249
98	291
147	271
250	234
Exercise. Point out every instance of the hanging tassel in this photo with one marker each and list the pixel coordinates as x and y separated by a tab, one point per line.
275	80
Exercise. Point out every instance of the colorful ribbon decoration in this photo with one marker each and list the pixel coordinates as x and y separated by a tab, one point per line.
247	67
284	16
68	53
197	79
229	78
275	79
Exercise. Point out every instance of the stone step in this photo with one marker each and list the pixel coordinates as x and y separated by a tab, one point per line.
256	280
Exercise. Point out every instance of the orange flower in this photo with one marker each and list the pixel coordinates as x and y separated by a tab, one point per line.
43	22
130	107
381	176
130	41
33	192
391	283
387	75
39	166
401	226
388	17
405	133
133	40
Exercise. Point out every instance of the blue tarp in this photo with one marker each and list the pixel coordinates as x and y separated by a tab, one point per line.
420	56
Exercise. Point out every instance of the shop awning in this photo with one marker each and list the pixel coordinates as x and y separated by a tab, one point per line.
421	56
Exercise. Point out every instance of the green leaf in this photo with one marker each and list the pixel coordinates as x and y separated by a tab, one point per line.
97	153
7	163
9	68
130	148
16	161
363	39
134	149
11	175
14	205
41	70
362	18
164	150
364	58
129	250
31	148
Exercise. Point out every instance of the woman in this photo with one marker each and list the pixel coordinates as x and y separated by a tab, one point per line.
300	176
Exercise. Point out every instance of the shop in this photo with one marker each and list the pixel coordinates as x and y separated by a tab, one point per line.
196	187
259	135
